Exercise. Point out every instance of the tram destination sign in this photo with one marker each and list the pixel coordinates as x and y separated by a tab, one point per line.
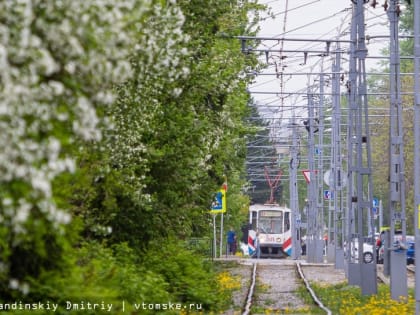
270	213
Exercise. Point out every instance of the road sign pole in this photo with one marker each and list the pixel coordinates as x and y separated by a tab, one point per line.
214	236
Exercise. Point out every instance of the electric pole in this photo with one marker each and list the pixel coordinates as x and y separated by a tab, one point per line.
294	200
360	190
336	167
398	250
416	8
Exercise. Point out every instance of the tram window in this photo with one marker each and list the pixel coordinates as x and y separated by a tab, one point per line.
277	226
271	223
286	221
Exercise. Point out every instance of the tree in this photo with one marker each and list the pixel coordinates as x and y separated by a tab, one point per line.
119	121
60	61
178	125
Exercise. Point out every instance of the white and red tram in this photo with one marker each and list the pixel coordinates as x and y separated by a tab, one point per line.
270	235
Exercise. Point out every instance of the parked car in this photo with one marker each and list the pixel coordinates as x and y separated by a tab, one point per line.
367	251
411	253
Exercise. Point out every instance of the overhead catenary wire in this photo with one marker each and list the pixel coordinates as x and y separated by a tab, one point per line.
295	8
274	106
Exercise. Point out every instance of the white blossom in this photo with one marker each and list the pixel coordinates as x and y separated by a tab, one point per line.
60	61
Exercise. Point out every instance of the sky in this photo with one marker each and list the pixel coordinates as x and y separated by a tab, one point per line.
315	20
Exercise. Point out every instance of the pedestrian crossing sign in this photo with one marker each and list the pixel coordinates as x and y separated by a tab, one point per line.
219	202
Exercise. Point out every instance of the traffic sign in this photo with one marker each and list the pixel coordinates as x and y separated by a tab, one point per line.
329	179
307	175
219	202
328	194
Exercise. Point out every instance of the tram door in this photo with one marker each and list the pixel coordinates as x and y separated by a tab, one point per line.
254	220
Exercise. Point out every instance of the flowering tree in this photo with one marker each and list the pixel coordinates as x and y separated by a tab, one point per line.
178	125
60	61
123	115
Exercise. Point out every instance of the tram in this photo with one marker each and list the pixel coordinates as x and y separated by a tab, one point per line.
270	235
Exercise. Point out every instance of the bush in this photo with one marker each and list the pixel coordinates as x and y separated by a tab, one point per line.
190	277
168	275
105	276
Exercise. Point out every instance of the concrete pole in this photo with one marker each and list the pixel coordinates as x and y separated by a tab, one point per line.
352	276
416	8
337	174
360	191
311	247
320	172
293	188
398	257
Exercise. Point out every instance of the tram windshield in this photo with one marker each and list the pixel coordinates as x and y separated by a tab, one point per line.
271	222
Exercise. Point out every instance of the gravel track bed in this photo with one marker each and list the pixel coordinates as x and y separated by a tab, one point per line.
277	289
277	284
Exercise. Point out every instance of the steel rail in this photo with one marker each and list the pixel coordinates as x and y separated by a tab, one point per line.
311	291
248	304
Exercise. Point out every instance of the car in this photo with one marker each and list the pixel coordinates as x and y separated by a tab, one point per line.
368	256
411	253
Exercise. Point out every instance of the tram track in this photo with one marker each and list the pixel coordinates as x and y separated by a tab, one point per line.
272	285
275	287
411	274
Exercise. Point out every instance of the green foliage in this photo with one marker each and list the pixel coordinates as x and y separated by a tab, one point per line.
191	279
97	274
130	115
177	131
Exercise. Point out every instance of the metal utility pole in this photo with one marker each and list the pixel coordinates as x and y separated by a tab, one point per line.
313	241
294	200
311	205
416	8
398	251
360	192
336	167
320	168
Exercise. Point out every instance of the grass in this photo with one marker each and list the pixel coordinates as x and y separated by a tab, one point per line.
348	300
